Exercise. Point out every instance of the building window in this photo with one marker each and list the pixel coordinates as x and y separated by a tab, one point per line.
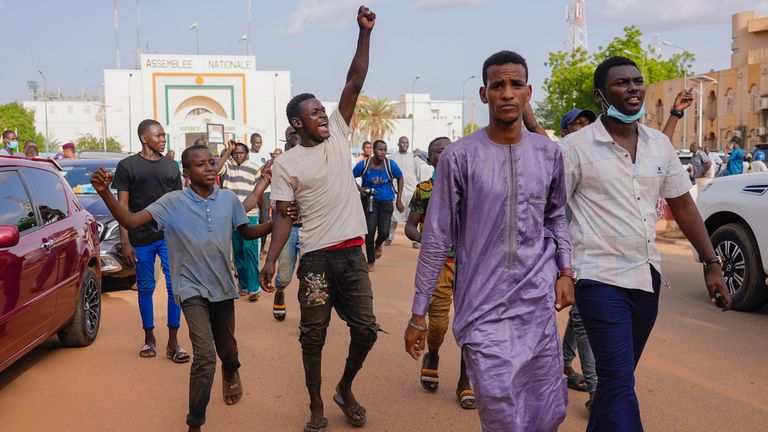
754	99
711	106
730	102
659	113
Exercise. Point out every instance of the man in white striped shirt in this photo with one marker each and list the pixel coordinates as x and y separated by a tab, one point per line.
616	169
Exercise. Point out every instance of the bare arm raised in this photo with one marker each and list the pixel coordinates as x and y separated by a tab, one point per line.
100	181
359	67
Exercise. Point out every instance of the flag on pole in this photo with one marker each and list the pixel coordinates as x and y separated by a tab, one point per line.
193	26
244	37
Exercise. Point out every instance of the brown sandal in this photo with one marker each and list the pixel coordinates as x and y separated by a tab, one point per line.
234	388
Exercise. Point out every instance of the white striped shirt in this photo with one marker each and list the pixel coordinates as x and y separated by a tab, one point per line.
612	203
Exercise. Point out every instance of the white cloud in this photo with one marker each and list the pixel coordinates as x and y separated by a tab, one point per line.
426	5
670	14
333	12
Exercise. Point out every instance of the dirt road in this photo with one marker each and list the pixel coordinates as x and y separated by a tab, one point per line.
702	370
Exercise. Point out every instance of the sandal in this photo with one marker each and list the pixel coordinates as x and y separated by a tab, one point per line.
316	427
278	311
253	297
351	413
466	399
147	351
234	388
178	356
430	378
576	381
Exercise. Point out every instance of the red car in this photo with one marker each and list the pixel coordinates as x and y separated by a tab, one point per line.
50	279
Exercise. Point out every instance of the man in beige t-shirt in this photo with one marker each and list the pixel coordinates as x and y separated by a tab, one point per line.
333	274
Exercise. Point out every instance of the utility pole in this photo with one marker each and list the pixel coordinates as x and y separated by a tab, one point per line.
413	111
117	33
45	104
130	134
138	34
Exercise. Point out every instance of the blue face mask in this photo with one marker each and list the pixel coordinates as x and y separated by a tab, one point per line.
13	144
618	115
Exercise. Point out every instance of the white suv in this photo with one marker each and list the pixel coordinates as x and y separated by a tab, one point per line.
735	211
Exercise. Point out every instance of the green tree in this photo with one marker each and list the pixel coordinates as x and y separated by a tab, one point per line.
15	117
89	142
471	127
376	118
570	84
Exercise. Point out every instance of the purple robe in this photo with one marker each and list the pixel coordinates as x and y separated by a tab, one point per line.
503	206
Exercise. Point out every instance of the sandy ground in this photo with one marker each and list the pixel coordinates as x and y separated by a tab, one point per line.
702	370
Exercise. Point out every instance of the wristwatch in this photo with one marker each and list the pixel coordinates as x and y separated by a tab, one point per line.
716	260
567	272
676	113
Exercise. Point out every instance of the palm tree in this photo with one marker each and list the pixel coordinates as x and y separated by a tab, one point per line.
376	118
362	101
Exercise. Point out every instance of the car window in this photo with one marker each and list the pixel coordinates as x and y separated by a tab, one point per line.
49	194
15	205
79	177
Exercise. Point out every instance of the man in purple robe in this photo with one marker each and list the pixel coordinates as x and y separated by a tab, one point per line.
499	196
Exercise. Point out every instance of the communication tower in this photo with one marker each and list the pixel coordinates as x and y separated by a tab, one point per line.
577	23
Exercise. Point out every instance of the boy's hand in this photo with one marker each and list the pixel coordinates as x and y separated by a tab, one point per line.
294	212
101	179
265	277
366	19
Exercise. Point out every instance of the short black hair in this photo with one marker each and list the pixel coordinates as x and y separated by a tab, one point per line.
187	153
292	109
7	133
601	72
245	147
378	141
502	58
433	143
146	124
254	135
365	142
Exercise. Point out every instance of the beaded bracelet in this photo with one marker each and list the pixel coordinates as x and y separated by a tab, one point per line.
415	326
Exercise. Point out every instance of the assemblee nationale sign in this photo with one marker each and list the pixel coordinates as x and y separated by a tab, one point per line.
197	62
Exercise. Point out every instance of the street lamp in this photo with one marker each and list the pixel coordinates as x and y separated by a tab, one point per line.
45	104
274	104
413	110
711	81
130	134
463	91
685	83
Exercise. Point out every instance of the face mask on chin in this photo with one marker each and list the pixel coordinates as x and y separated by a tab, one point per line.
618	115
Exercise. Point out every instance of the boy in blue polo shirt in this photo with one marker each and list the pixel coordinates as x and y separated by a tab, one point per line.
198	223
379	175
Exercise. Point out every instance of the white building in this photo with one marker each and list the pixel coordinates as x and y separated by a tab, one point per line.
68	118
187	92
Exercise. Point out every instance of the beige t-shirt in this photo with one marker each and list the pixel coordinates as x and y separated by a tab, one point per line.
320	179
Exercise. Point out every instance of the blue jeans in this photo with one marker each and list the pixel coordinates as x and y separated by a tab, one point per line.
286	262
145	283
618	322
575	336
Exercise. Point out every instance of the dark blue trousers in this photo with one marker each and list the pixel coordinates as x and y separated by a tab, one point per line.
618	322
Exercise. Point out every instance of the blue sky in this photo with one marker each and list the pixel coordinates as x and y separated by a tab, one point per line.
443	41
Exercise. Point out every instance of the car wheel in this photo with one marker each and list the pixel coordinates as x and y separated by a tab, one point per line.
742	266
85	324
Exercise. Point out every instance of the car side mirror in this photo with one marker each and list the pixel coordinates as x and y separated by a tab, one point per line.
9	236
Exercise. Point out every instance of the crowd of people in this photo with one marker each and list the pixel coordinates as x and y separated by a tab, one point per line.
511	226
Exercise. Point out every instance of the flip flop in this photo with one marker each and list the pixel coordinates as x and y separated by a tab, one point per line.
350	413
234	388
574	381
430	378
178	356
316	427
253	297
466	399
147	351
278	311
